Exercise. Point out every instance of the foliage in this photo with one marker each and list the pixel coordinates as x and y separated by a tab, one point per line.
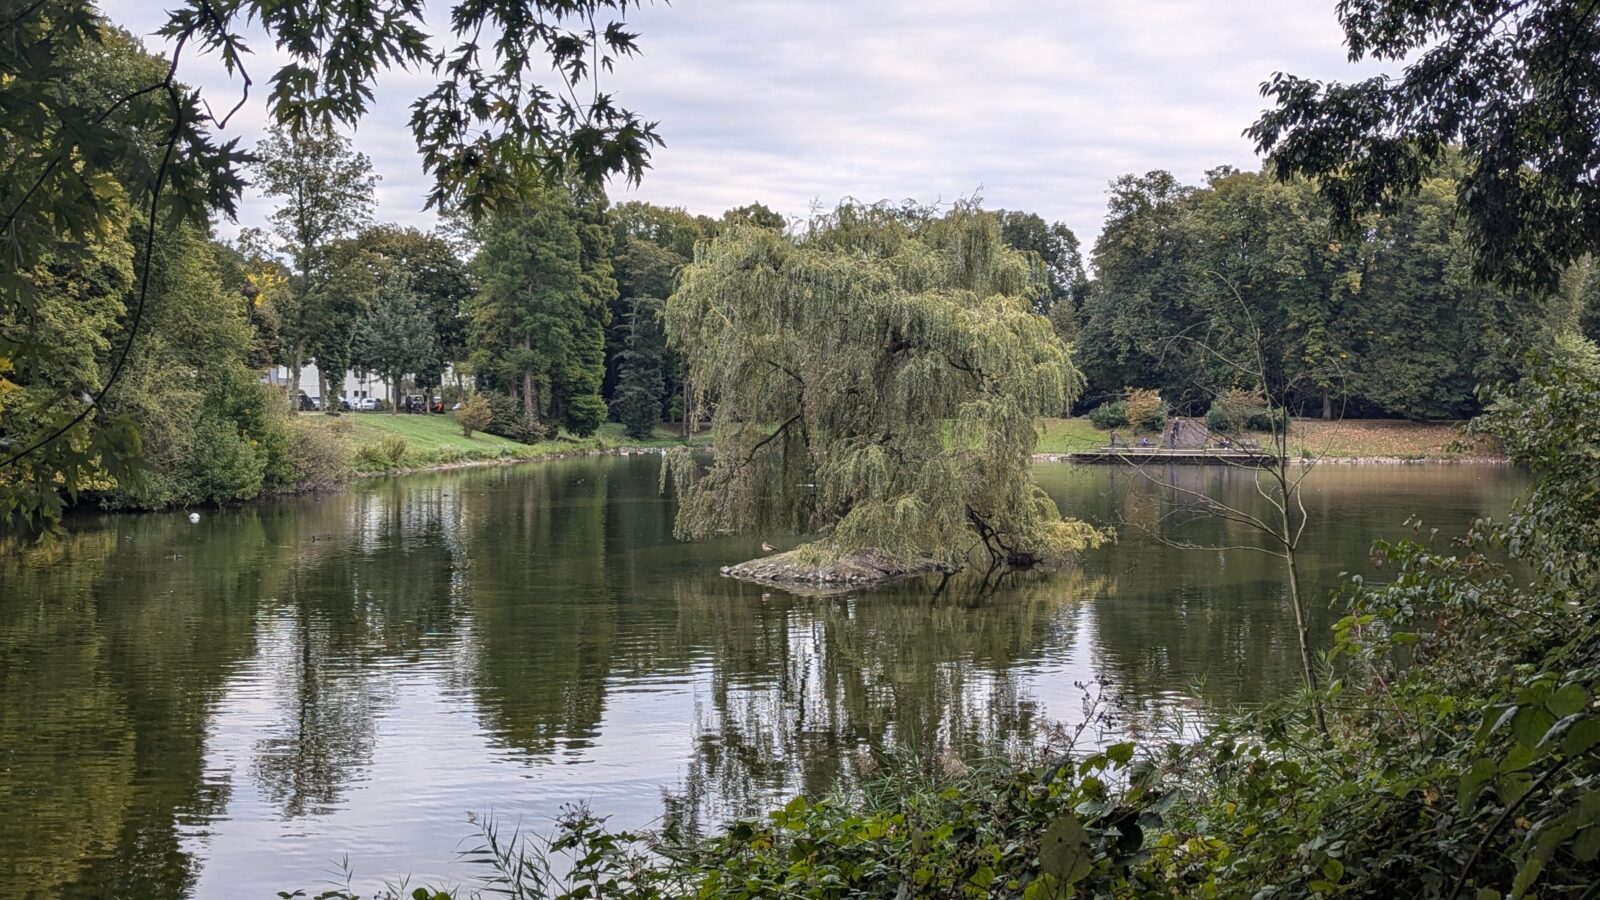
538	319
508	419
1146	410
642	366
475	414
388	454
875	382
397	337
1110	414
1501	79
327	194
322	456
1389	320
1237	410
242	444
98	134
441	281
1059	252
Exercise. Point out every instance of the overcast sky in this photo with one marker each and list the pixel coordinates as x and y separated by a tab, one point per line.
1033	104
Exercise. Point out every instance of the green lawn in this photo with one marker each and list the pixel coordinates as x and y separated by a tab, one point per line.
1069	436
431	440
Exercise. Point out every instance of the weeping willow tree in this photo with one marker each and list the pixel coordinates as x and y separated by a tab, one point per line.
876	382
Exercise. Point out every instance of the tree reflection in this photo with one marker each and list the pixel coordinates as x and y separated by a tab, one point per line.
808	693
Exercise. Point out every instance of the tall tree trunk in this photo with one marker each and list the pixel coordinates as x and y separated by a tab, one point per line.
394	395
295	359
1327	405
322	389
688	414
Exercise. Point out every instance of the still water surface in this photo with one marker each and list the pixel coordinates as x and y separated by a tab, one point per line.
227	709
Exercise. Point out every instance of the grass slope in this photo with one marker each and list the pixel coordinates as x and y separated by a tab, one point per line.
433	440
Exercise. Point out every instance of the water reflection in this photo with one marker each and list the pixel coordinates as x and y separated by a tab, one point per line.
226	708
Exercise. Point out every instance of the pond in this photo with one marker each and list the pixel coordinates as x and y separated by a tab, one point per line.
231	707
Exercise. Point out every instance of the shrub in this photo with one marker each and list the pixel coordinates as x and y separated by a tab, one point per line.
225	465
584	414
1110	415
1146	410
474	415
390	453
1238	410
321	456
1219	421
508	420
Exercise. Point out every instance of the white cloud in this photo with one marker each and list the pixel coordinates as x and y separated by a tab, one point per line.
1037	104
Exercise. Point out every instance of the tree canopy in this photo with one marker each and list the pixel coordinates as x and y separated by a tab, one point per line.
874	382
1513	83
1391	319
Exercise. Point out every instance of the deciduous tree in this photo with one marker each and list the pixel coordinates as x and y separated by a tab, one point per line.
875	383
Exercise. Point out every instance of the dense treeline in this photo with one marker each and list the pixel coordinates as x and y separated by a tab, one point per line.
1390	315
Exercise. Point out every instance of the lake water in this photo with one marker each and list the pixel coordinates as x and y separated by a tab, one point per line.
228	709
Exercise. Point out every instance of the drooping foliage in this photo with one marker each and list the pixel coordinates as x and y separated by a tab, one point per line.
875	382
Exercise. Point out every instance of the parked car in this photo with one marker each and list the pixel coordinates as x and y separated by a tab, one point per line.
370	404
437	405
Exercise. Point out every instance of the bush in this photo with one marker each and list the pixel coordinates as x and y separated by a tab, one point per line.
1110	415
584	414
508	420
474	415
1238	410
225	465
1219	421
1146	410
321	456
386	455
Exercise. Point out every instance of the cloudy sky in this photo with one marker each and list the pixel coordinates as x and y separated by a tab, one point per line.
1032	104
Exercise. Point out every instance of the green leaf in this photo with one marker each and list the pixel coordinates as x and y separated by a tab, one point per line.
1530	723
1334	869
1569	699
1581	736
1472	783
1063	851
1586	846
1120	753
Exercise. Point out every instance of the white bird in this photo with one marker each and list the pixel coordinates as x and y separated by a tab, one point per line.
766	547
194	517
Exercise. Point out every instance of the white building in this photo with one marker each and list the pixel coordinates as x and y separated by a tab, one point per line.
352	388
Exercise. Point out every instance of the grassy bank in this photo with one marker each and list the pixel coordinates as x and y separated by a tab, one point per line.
386	442
1349	439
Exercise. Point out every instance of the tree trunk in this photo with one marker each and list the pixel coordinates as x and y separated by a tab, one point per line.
1327	406
1303	630
322	389
295	359
394	395
688	414
530	406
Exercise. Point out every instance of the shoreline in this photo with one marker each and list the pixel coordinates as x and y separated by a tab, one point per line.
1342	460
